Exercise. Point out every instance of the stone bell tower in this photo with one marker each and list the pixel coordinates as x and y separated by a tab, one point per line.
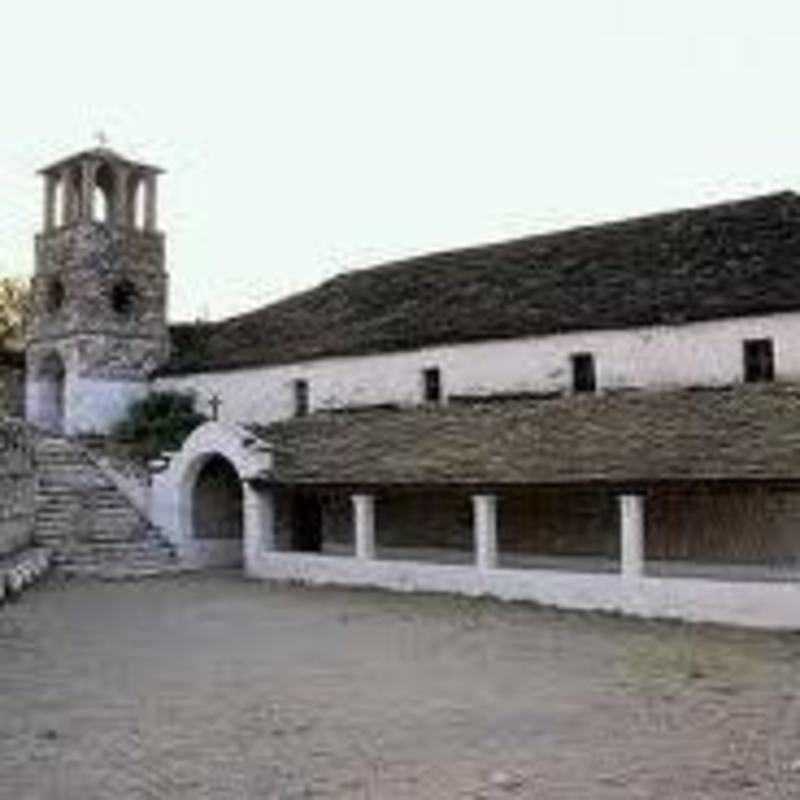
98	322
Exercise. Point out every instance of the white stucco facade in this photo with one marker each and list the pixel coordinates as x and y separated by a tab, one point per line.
95	406
657	357
86	405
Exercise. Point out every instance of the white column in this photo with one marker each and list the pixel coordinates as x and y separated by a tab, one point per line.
259	524
484	520
631	513
364	513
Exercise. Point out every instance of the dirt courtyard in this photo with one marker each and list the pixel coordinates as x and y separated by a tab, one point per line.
212	686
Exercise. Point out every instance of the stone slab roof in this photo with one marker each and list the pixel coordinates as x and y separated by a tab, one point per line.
101	153
743	433
725	260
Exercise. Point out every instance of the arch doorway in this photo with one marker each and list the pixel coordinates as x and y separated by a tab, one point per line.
217	507
50	412
207	490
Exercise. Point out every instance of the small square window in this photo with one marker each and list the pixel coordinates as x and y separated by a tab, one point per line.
583	375
300	398
432	385
759	360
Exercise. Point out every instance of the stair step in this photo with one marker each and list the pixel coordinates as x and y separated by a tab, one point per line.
122	574
110	538
118	547
91	558
68	557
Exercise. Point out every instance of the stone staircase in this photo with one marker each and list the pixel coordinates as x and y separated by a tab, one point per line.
91	527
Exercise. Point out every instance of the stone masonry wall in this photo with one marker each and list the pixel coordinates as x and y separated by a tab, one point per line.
99	318
16	487
12	390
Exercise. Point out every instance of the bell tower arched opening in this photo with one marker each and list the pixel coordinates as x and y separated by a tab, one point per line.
104	188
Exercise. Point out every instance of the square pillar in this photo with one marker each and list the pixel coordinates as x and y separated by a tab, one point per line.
150	202
259	523
364	513
632	524
50	183
67	197
87	190
120	201
484	520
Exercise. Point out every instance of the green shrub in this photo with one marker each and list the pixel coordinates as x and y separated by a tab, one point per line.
161	421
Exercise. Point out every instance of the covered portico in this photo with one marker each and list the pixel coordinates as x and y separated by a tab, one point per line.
756	595
604	503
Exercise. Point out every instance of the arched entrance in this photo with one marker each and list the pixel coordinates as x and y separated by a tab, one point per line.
211	500
217	501
49	402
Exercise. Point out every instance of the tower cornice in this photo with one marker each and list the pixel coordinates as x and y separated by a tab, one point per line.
98	154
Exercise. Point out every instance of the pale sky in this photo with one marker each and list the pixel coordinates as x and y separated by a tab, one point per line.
302	138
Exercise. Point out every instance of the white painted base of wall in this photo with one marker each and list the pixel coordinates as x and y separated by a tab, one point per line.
88	405
95	406
772	605
200	553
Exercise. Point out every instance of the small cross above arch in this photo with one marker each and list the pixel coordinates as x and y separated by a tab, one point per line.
102	139
215	402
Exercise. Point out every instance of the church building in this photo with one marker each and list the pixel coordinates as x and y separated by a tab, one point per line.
596	418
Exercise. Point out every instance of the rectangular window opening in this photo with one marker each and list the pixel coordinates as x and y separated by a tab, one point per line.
432	382
759	361
300	398
583	373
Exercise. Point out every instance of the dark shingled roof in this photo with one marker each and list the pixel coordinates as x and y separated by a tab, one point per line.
750	432
731	259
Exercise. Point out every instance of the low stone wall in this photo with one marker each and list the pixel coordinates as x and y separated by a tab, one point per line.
12	384
16	486
21	569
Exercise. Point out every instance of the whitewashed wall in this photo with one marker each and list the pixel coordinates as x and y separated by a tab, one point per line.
89	405
705	353
92	405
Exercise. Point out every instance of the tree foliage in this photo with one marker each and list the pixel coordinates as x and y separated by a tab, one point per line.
161	421
14	305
